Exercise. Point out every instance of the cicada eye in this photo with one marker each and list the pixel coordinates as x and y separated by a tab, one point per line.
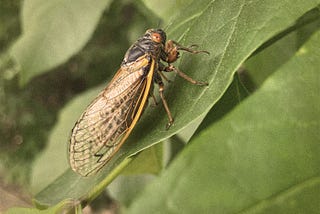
156	37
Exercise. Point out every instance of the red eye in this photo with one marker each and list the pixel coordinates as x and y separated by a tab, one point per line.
156	37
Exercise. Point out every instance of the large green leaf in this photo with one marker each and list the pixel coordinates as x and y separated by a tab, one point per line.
62	207
264	63
230	31
53	31
166	8
261	158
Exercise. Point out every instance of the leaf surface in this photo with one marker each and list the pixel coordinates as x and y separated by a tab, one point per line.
263	157
53	31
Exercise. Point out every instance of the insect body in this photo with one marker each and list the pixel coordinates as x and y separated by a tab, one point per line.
109	119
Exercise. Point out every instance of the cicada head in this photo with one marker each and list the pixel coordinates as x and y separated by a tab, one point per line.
152	43
158	36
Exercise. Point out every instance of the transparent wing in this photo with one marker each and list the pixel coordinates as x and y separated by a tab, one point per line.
108	120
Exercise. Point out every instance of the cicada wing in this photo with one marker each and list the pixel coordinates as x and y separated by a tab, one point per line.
108	120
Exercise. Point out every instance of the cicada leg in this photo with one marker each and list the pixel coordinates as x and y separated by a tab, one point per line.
171	68
164	77
172	49
170	55
155	103
189	49
158	80
165	104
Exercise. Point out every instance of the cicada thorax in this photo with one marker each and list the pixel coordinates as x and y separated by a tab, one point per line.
109	119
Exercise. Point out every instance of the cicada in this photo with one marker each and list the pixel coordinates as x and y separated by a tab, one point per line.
107	122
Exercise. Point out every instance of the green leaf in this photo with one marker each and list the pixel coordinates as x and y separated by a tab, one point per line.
263	157
62	207
148	161
126	188
166	8
230	31
137	175
235	94
53	31
263	64
229	44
